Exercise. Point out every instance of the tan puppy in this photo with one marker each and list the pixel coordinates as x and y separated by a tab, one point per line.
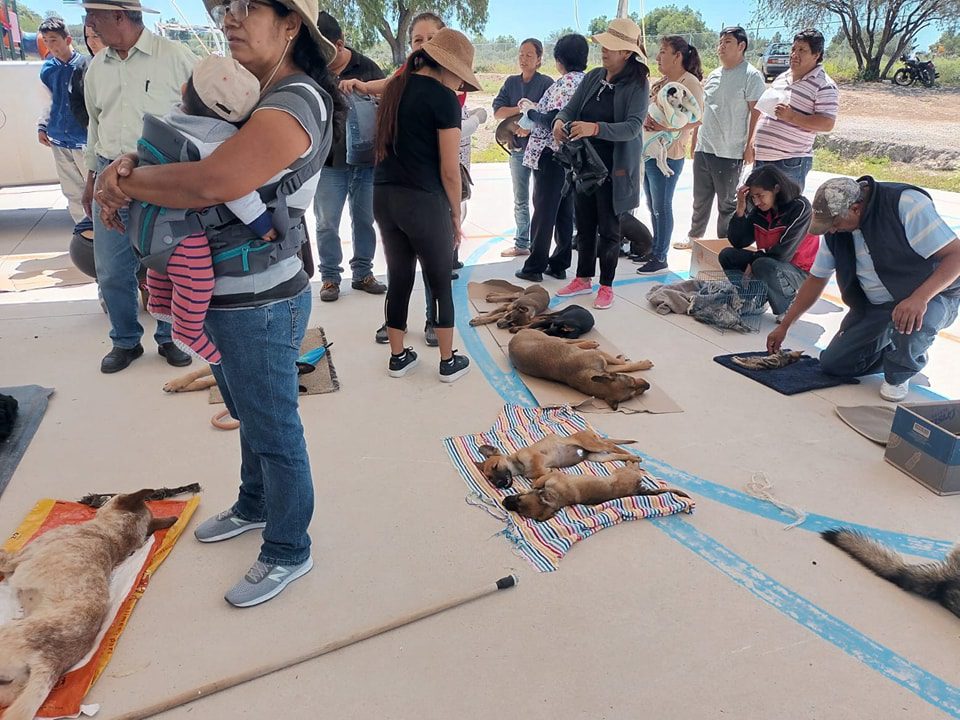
579	364
517	310
557	489
554	451
62	580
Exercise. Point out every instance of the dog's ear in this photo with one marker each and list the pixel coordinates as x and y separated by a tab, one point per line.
160	524
550	497
602	378
489	451
133	501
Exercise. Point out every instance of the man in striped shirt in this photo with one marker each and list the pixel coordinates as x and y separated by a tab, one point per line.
808	106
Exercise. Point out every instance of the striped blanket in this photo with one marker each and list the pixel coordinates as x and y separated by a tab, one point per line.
545	543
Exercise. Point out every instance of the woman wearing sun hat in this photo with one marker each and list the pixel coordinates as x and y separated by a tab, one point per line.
258	320
416	197
609	107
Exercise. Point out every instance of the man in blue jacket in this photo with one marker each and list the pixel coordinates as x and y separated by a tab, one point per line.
898	267
58	129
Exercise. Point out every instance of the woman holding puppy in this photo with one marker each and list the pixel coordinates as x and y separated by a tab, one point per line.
608	108
679	62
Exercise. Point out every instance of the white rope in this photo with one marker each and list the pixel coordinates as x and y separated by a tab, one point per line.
760	487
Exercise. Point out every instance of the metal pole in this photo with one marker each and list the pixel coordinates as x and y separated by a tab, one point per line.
20	30
623	8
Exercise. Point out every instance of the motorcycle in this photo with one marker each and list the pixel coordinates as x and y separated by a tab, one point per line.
915	71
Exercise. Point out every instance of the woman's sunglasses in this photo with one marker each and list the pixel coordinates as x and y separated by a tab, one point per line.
239	9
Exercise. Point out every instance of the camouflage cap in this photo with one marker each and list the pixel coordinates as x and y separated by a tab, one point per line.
833	199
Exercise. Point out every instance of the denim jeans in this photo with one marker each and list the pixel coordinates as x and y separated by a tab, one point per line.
258	379
868	343
336	185
520	175
713	176
794	168
659	191
117	267
781	279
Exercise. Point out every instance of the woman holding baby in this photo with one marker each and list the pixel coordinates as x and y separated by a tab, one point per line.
679	62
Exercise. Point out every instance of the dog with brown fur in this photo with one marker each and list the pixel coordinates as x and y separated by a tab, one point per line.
554	451
62	581
517	309
579	364
557	490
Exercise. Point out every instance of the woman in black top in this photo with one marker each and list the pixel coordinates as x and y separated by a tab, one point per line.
609	107
416	198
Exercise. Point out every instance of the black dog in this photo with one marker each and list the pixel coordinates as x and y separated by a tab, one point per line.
571	322
636	233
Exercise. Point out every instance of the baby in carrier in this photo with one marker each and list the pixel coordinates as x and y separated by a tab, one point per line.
220	95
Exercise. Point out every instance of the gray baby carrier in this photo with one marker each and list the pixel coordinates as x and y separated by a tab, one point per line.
156	231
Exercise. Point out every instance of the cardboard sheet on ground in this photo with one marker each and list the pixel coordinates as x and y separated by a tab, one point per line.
548	393
544	544
874	422
19	273
322	380
127	585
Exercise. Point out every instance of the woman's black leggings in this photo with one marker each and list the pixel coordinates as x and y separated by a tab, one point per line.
415	225
598	234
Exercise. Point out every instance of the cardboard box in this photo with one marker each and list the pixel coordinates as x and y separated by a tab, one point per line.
705	256
925	444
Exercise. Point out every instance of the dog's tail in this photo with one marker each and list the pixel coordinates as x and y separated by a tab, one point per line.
38	685
621	442
931	580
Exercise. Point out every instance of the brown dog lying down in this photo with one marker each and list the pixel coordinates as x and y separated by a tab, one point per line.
554	451
517	309
557	489
62	580
579	364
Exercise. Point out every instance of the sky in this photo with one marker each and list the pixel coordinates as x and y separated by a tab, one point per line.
539	17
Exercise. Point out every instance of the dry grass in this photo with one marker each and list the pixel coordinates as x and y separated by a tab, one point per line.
883	169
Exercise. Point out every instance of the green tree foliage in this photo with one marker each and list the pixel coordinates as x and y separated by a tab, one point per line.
28	19
948	44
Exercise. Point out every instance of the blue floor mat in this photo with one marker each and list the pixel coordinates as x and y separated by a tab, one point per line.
802	376
32	401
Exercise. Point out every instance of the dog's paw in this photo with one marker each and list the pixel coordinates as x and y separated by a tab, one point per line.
588	345
173	386
474	322
644	364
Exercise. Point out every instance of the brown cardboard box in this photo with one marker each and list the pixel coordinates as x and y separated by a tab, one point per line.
705	254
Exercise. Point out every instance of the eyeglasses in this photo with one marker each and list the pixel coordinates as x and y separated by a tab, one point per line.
239	9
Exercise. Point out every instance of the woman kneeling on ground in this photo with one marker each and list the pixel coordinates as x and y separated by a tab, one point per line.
257	320
608	108
416	197
777	221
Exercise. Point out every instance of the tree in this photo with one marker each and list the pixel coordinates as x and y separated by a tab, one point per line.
391	18
948	44
28	20
557	34
877	31
666	20
505	40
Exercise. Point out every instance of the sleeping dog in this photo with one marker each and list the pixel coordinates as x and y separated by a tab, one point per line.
62	580
571	322
516	310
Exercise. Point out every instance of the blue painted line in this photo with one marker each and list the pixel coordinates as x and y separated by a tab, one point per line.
925	685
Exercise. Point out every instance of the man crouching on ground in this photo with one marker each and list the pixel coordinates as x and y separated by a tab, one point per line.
897	265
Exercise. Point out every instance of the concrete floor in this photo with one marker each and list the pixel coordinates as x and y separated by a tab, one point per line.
722	614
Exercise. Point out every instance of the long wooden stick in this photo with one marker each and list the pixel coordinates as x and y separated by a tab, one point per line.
240	678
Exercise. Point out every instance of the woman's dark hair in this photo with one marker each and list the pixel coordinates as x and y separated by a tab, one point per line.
634	71
432	16
689	54
537	45
193	105
813	38
772	179
390	102
307	56
572	51
87	42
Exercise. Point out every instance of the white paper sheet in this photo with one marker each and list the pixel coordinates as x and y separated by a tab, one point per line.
769	101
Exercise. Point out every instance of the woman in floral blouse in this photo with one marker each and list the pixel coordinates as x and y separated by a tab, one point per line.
551	208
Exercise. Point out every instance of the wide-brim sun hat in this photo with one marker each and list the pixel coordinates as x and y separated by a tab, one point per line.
309	12
122	5
453	51
623	34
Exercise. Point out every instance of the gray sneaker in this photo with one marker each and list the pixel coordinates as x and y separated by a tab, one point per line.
264	582
224	526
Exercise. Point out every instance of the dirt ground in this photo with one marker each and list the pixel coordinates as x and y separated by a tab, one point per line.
906	124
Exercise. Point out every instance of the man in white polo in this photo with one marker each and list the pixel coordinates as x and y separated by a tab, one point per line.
137	73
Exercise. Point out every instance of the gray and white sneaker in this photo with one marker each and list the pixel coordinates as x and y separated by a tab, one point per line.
264	582
224	526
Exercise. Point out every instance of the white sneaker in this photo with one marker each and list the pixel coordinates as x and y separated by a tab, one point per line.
779	318
894	393
684	244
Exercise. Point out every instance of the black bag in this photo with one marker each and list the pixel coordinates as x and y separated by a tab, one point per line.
585	169
8	415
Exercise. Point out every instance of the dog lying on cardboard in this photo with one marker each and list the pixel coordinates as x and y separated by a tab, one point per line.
517	309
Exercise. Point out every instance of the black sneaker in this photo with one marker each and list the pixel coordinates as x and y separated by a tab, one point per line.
430	335
120	358
455	368
653	267
558	274
529	276
642	259
381	335
403	363
457	265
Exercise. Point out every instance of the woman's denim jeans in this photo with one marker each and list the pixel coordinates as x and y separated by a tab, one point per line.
659	191
259	382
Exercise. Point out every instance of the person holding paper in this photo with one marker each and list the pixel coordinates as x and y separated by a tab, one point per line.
799	104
